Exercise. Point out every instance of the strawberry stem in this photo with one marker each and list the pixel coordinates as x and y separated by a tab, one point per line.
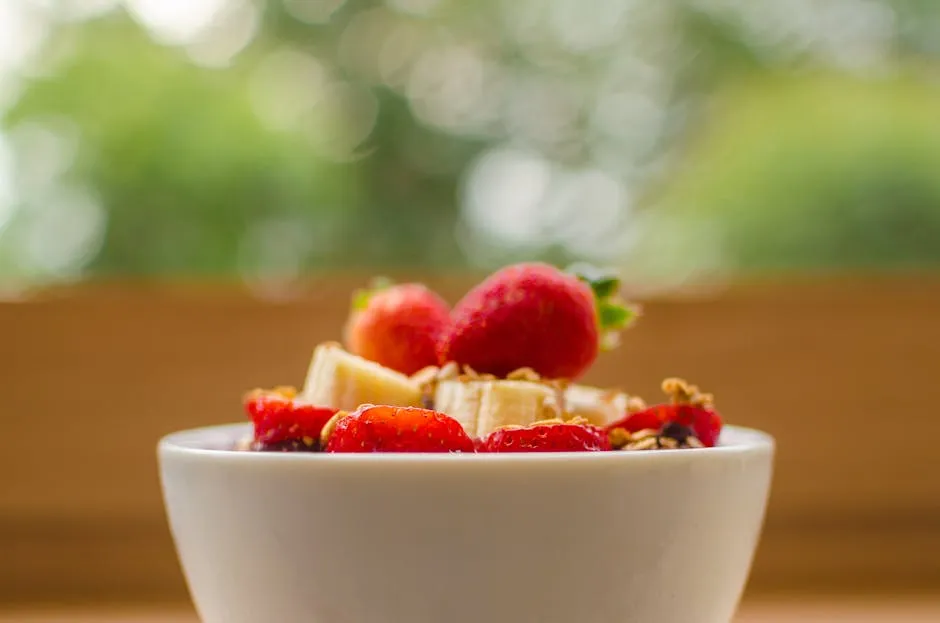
613	313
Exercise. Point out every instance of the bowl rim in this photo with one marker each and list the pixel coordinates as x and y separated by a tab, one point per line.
208	442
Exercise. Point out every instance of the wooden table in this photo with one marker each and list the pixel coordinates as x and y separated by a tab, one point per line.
86	520
793	611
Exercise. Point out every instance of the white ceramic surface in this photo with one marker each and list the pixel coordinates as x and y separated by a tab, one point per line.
620	537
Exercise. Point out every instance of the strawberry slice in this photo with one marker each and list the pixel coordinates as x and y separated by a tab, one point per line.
548	436
688	408
705	423
651	418
398	429
281	423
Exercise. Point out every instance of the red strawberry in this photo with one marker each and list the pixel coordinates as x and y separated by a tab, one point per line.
535	316
397	326
281	422
688	408
547	437
705	423
651	418
398	429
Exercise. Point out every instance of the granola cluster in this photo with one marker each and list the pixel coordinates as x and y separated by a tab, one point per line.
672	436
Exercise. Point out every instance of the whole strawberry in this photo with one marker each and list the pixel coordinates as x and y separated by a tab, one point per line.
548	436
281	423
397	429
536	316
688	410
397	326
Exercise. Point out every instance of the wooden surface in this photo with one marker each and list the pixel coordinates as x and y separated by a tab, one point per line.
843	373
774	612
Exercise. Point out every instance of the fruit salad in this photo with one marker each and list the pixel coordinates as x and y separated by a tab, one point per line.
498	372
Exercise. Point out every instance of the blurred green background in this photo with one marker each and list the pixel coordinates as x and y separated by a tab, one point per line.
267	140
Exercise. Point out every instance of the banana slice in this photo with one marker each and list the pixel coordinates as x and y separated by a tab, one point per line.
598	406
461	401
520	403
482	406
341	380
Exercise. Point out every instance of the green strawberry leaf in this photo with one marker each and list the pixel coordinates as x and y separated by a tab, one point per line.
361	297
605	287
613	314
604	283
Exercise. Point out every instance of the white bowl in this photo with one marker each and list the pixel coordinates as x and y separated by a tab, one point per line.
617	537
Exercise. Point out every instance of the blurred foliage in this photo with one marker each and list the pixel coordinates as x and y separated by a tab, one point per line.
176	153
683	139
804	173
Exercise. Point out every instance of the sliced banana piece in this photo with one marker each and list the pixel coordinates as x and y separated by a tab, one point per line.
519	403
598	406
482	406
461	401
341	380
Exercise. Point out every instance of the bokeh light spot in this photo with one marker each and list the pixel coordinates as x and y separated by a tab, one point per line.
233	28
503	195
175	22
64	232
285	86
